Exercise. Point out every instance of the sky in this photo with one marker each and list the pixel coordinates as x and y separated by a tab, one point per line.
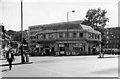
38	12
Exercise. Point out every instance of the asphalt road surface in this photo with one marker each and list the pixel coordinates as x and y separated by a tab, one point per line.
63	66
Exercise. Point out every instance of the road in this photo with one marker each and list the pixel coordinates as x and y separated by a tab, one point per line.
63	66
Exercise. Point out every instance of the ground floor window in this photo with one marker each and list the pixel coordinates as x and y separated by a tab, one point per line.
65	48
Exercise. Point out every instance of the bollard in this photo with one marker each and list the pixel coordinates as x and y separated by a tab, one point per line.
27	58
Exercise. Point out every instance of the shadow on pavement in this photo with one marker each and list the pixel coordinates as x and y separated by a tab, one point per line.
2	59
5	70
109	57
16	64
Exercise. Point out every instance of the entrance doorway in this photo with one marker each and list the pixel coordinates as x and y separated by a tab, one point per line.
77	50
46	50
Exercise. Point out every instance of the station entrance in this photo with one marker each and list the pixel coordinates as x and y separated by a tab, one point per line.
47	50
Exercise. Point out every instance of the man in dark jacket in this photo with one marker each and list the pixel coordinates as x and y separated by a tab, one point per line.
10	57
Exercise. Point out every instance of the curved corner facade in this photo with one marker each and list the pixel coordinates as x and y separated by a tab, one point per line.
75	39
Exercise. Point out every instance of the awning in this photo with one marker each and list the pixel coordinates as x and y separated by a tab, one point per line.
46	41
94	41
77	46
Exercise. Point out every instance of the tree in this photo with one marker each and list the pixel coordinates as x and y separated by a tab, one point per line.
14	44
15	35
96	19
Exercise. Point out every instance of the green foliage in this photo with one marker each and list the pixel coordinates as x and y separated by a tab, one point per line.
14	44
96	18
16	36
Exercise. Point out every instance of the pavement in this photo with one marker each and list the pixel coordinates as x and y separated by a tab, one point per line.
62	66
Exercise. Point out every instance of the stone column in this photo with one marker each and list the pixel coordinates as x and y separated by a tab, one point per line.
86	48
56	49
70	48
100	46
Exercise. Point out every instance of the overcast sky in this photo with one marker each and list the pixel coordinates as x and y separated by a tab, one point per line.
37	12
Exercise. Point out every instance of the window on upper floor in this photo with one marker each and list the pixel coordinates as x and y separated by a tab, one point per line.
34	32
111	32
74	35
117	41
51	36
98	36
89	35
66	34
95	36
107	32
33	41
80	34
44	36
107	46
39	36
107	41
32	37
60	35
110	41
107	37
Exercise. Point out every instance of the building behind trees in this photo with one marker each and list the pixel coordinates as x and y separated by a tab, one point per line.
112	43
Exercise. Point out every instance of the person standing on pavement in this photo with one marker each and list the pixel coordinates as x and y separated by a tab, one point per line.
101	53
97	50
10	57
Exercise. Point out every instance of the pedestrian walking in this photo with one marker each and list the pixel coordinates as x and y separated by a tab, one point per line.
97	50
10	57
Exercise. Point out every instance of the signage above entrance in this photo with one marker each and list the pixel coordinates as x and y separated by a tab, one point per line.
61	45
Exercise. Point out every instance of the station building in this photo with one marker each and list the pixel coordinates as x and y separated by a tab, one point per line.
67	39
33	30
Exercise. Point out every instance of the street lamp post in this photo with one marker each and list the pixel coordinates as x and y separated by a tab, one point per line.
67	28
22	57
